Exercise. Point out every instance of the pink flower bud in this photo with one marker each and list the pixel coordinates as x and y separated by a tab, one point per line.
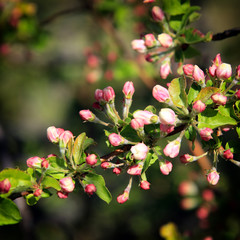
128	89
139	151
45	163
167	116
165	40
213	177
172	149
87	115
165	167
186	158
65	137
37	192
62	194
224	71
238	94
212	70
137	123
106	165
148	1
157	14
67	185
219	99
99	95
205	134
138	45
217	60
238	72
108	94
146	116
187	188
150	40
198	74
199	106
160	93
5	186
115	139
123	197
91	159
34	162
53	134
166	128
90	189
228	154
145	185
135	169
202	212
165	70
51	155
97	106
188	69
117	170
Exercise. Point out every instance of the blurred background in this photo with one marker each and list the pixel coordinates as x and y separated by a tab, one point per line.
53	55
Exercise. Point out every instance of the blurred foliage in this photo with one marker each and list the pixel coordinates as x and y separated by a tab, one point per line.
50	68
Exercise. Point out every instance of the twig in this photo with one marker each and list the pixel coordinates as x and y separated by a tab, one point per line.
226	34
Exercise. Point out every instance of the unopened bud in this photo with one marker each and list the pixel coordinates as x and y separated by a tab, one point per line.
213	176
188	69
150	40
145	185
5	186
91	159
99	95
122	198
238	94
224	71
67	184
117	170
65	138
87	115
106	165
128	89
135	169
34	162
160	93
165	40
45	163
139	151
62	195
165	167
138	45
108	94
137	123
53	134
167	116
166	128
198	75
219	99
172	149
157	14
228	154
90	189
238	72
199	106
116	139
146	116
205	134
165	70
186	158
37	192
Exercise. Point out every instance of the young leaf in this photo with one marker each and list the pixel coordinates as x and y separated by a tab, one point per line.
78	147
193	92
98	181
31	199
206	93
174	7
49	182
177	92
9	213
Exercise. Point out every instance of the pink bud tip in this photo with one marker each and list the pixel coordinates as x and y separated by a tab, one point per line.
172	149
139	151
145	185
160	93
5	186
67	185
228	154
166	167
165	40
238	94
138	45
115	139
188	69
90	189
135	170
213	177
99	95
165	70
219	99
157	14
123	197
150	40
137	123
198	74
167	116
117	170
199	106
128	89
186	158
91	159
224	71
86	115
65	137
108	94
62	194
34	162
53	134
37	192
106	165
205	134
45	163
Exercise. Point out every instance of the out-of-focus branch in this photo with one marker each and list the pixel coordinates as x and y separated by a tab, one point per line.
110	156
226	34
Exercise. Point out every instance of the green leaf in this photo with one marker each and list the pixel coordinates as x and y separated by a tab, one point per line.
191	52
187	15
98	181
49	182
174	7
9	213
130	134
19	180
151	109
87	143
193	92
177	92
212	119
147	163
78	147
190	133
206	93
